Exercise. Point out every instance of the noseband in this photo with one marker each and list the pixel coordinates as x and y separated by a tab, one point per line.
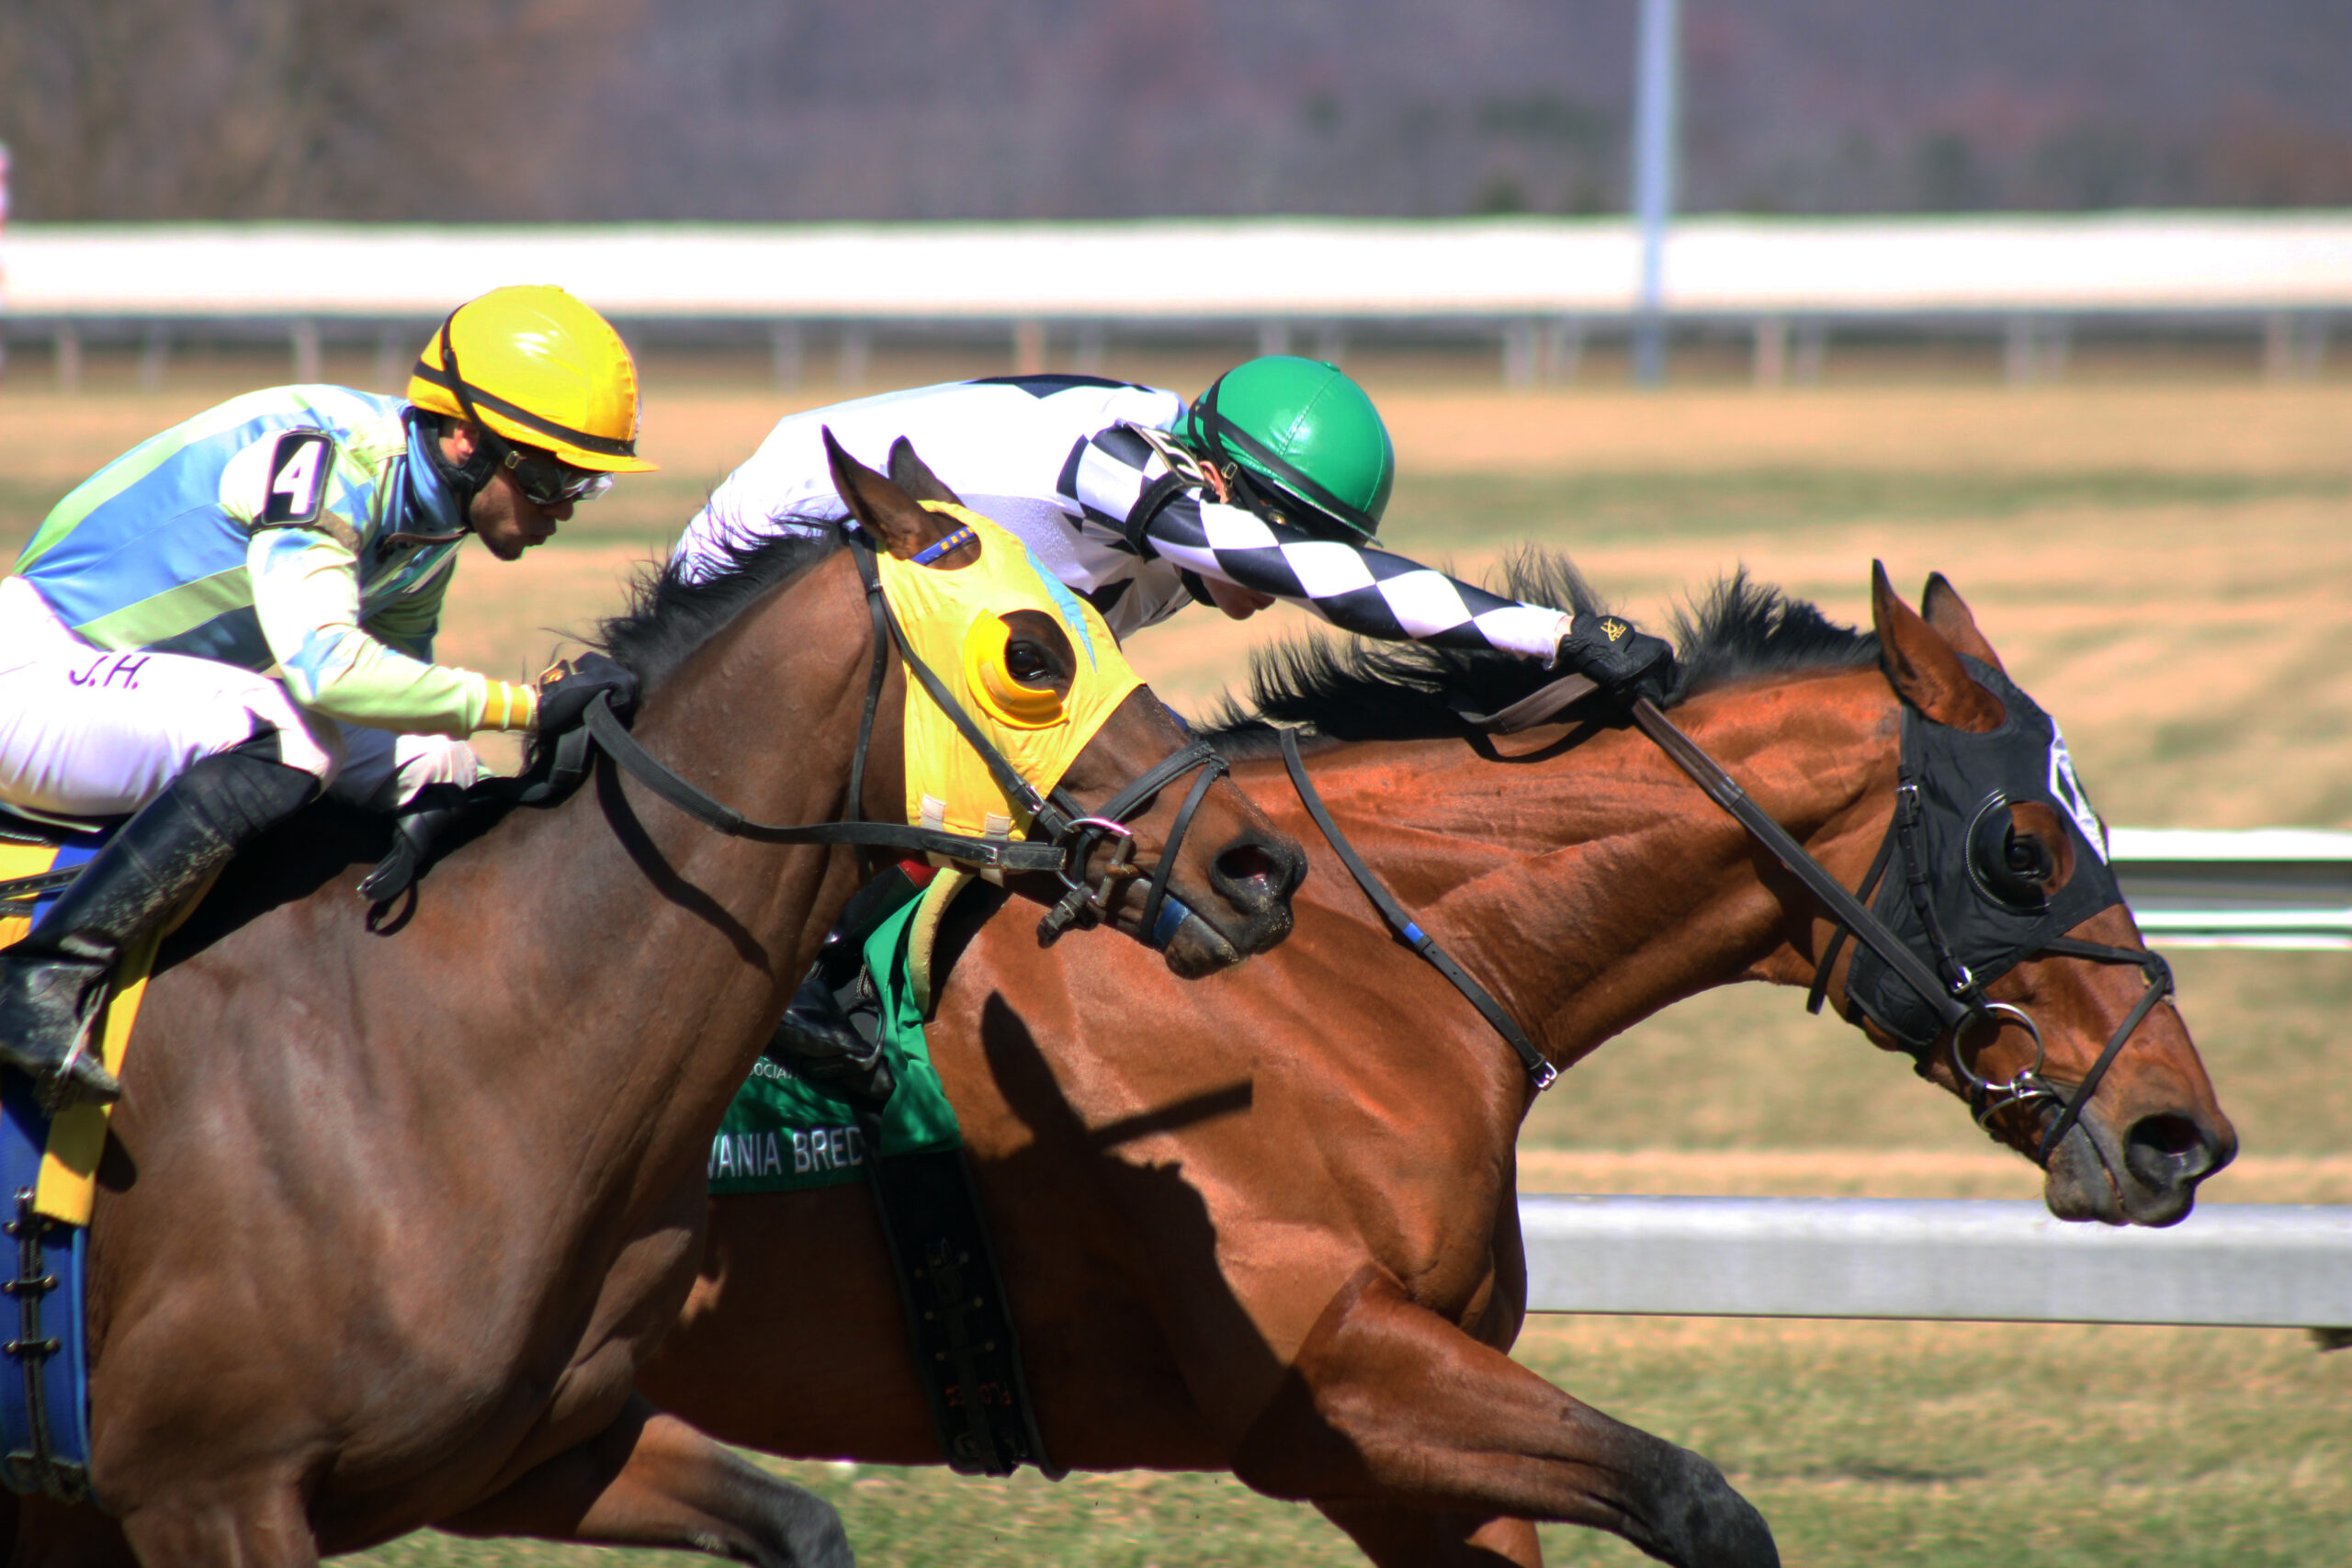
1070	834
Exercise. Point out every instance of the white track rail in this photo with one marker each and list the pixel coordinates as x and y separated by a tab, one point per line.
2246	1265
1243	270
2265	887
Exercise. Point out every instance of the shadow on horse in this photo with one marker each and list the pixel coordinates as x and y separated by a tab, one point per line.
395	1208
1267	1224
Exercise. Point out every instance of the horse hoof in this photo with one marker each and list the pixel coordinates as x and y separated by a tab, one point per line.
1705	1524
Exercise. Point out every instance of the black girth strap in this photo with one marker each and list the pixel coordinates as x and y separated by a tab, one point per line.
1539	1071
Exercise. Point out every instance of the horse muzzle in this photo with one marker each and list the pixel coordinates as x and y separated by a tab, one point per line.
1246	911
2144	1171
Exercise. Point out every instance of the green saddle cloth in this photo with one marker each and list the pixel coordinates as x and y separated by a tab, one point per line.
783	1134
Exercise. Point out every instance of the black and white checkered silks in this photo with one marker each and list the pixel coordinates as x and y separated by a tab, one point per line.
1354	587
1061	461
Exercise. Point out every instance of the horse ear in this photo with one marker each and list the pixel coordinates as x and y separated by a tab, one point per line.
1922	667
913	475
1948	612
888	512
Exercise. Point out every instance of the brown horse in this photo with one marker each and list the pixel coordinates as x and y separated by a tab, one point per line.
1267	1224
396	1208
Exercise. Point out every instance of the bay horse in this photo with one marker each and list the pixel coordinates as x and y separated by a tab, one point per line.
1267	1224
396	1207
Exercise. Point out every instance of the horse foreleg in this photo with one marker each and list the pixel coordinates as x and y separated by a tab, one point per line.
1422	1538
260	1524
1387	1404
651	1479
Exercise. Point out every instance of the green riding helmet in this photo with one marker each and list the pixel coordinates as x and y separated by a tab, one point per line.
1301	430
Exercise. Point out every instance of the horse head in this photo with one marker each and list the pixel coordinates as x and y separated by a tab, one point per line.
1996	875
1163	846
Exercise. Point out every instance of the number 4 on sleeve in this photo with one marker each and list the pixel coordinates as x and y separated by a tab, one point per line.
298	477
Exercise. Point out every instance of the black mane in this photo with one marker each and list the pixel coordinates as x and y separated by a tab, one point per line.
1353	689
669	616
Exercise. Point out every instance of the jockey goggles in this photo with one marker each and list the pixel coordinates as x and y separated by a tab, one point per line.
545	480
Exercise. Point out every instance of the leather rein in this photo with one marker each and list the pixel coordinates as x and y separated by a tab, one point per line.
1072	835
1956	995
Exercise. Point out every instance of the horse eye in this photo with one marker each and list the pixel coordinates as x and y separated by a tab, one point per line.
2013	867
1026	663
2028	857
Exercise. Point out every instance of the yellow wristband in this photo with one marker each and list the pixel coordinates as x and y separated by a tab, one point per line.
506	705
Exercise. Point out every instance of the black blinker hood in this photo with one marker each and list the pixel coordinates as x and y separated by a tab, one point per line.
1944	905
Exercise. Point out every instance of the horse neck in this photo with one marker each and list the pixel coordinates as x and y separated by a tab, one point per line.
665	944
1589	884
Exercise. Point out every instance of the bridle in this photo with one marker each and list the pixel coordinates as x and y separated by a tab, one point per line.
1946	985
1070	834
1957	991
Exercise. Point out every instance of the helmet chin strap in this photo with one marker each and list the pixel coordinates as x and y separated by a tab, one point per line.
470	478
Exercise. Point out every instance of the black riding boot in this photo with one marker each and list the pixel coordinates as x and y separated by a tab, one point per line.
832	1035
53	981
819	1039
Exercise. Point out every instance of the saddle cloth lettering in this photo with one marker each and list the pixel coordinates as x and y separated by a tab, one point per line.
785	1134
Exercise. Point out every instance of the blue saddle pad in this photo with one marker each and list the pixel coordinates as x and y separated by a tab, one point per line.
44	1363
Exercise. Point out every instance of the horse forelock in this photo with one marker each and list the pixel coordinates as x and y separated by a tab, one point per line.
1355	689
671	615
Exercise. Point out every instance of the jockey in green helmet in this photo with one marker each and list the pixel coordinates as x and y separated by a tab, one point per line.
1303	437
1270	485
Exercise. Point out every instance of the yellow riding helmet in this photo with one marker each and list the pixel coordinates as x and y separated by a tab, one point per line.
534	364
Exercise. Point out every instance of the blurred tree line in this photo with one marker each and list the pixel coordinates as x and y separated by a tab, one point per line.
816	110
300	109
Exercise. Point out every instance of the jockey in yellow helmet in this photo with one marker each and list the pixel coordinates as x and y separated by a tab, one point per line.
238	614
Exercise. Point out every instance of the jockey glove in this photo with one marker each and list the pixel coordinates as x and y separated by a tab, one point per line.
1607	650
566	692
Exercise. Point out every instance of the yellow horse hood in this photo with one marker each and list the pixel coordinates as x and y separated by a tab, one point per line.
952	621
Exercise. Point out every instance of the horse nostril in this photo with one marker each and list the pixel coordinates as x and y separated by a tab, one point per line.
1257	873
1248	868
2164	1149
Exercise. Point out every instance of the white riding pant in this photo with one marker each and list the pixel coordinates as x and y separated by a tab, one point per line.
88	733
